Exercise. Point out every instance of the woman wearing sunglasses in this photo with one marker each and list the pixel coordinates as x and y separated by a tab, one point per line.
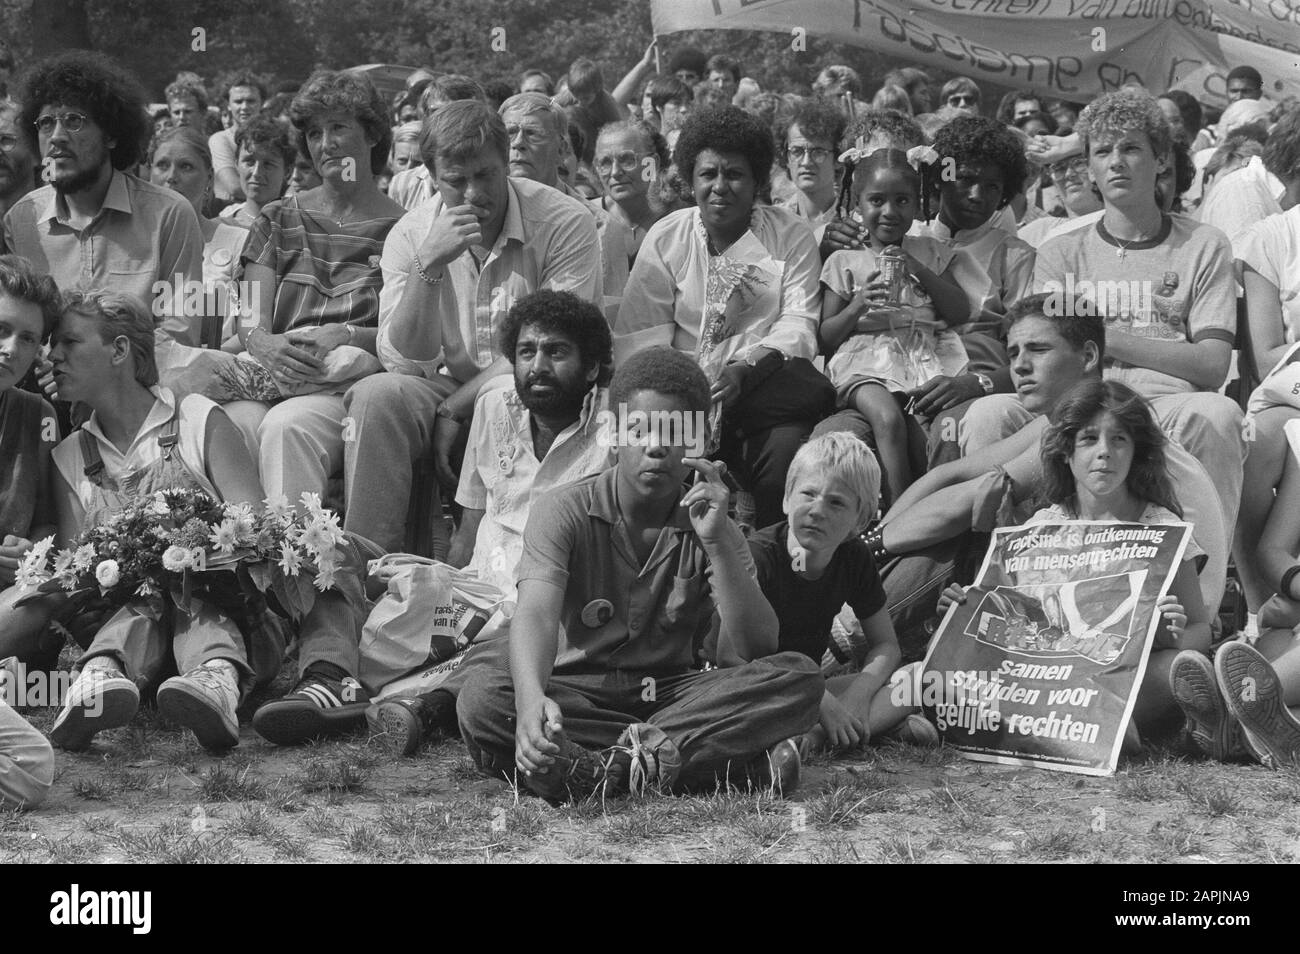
961	94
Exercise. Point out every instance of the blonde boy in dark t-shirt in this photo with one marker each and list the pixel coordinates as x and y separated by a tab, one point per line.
810	565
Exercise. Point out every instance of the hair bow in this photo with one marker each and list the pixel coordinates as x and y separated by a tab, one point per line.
857	152
922	154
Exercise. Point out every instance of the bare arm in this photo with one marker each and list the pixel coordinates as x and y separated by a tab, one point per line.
625	91
1264	318
534	639
1277	546
462	543
1203	363
883	657
1196	631
261	280
748	625
839	318
950	302
945	514
461	402
965	468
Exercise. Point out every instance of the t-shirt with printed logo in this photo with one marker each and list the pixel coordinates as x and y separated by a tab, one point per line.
1177	286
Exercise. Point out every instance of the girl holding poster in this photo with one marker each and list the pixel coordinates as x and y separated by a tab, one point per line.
1103	459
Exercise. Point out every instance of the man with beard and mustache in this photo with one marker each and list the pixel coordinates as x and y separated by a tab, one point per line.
92	225
17	161
529	437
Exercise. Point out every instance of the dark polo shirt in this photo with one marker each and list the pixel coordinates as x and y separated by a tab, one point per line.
657	614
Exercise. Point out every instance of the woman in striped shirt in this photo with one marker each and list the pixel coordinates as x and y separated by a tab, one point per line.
312	264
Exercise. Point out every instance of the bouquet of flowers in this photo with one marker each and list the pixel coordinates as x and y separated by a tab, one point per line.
181	544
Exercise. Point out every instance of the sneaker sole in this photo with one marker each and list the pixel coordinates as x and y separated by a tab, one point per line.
1195	689
1270	725
396	727
76	726
919	731
293	723
199	715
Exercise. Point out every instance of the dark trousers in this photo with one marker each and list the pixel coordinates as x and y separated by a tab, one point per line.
718	719
762	461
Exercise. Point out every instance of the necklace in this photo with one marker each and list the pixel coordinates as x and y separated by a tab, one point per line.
1121	253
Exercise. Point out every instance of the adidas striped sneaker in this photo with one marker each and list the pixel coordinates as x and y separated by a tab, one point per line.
318	706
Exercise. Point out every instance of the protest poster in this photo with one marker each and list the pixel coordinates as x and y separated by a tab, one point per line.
1042	663
1072	49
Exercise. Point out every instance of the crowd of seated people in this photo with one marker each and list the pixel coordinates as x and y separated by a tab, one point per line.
891	320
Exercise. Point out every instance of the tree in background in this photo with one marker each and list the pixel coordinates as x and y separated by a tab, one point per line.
487	39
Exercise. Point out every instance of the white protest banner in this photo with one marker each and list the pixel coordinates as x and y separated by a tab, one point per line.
1072	49
1041	665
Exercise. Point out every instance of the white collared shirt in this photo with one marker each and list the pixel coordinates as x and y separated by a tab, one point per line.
992	266
548	240
502	476
778	306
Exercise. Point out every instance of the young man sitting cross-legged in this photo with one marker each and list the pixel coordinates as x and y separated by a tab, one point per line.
621	577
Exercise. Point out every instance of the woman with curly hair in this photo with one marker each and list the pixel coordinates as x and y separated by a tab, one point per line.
734	283
807	147
312	264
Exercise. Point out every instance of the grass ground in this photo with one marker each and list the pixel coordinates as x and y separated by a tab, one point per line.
148	793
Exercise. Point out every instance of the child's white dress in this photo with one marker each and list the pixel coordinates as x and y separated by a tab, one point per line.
900	347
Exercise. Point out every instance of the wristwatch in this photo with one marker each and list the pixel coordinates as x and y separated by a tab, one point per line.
985	382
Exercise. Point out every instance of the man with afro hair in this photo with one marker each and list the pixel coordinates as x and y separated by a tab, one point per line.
982	168
92	225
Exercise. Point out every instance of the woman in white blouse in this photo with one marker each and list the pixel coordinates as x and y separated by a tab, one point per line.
735	284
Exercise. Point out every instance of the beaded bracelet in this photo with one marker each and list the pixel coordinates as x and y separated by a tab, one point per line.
419	270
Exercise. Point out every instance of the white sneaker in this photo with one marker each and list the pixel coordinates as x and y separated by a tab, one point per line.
100	698
204	701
